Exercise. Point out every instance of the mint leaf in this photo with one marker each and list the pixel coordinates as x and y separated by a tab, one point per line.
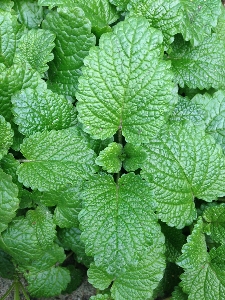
13	79
100	297
189	62
45	278
6	5
121	4
135	156
120	84
9	202
76	279
204	276
52	3
163	15
35	47
70	239
6	136
214	108
178	294
198	19
29	12
9	165
7	269
220	25
72	43
110	158
40	109
128	200
55	159
215	217
179	175
41	220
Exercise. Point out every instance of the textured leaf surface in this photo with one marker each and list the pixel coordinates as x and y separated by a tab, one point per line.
45	278
164	15
110	158
7	269
139	280
109	208
68	205
29	12
72	43
214	108
135	156
183	163
100	297
215	217
200	67
40	109
9	202
204	276
35	47
121	4
52	3
41	220
178	294
126	84
198	19
55	159
6	136
13	79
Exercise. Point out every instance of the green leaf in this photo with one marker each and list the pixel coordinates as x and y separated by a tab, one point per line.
52	3
72	43
76	279
42	221
163	15
13	79
6	136
29	12
219	29
9	165
110	158
45	278
9	35
200	67
135	157
100	297
198	19
6	5
214	108
70	239
204	273
175	167
35	47
40	109
7	269
120	86
109	208
121	4
55	159
9	202
215	217
68	205
178	294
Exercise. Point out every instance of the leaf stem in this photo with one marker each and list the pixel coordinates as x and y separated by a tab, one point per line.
8	292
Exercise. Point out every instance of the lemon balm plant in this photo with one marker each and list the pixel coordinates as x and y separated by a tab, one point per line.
112	147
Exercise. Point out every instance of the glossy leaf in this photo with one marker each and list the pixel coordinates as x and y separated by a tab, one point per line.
9	201
183	163
72	43
40	109
55	159
6	136
125	84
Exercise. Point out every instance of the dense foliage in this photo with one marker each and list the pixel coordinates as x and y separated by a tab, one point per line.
112	140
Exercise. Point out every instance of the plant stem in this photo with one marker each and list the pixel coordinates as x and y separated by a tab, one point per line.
8	292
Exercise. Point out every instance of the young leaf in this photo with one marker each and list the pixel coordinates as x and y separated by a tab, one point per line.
200	67
215	217
204	276
6	136
163	15
214	108
13	79
9	201
35	47
40	109
135	156
198	19
55	159
45	278
110	158
29	12
126	84
175	165
124	213
72	43
41	220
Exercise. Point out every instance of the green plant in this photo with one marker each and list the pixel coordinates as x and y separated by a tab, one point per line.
112	147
